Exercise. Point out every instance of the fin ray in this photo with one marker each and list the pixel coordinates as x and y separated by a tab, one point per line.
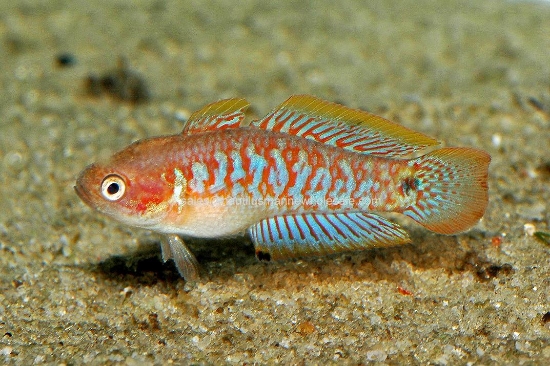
451	186
337	125
302	235
226	113
174	248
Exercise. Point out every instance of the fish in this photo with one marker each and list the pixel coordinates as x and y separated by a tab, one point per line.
311	178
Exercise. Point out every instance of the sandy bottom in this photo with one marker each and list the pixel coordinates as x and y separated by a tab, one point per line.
77	287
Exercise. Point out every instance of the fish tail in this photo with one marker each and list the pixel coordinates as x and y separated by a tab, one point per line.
451	189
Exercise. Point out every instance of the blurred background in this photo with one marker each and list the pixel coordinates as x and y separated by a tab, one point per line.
82	79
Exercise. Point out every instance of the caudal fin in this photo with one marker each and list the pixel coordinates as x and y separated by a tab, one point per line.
451	187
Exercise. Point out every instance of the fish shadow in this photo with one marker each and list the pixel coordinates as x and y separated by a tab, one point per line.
223	258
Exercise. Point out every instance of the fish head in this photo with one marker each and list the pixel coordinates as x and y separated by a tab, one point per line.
130	187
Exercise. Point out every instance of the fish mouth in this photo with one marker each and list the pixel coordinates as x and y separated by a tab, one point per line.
79	187
82	194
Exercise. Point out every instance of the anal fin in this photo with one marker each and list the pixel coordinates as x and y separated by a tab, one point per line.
174	248
302	235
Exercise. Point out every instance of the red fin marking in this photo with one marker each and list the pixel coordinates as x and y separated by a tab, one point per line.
226	113
451	188
351	129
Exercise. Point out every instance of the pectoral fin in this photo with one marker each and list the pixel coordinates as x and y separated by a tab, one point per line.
186	263
302	235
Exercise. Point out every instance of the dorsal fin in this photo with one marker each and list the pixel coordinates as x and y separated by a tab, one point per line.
352	129
226	113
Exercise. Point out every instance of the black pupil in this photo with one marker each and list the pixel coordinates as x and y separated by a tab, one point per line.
113	188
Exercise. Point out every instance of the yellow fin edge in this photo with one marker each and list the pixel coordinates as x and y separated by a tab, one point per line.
319	108
220	108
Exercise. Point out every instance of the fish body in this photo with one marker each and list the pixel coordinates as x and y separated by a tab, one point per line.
306	179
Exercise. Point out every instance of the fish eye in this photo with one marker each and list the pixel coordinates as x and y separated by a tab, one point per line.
113	187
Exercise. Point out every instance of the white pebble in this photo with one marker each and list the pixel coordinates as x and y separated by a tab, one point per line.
377	355
496	139
529	229
182	115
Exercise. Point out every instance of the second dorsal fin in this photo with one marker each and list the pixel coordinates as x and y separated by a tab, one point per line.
226	113
337	125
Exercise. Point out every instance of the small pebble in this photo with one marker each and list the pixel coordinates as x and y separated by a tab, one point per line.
306	328
65	60
376	355
529	229
496	140
182	114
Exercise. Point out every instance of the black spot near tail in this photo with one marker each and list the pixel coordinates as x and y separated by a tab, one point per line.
263	256
410	184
